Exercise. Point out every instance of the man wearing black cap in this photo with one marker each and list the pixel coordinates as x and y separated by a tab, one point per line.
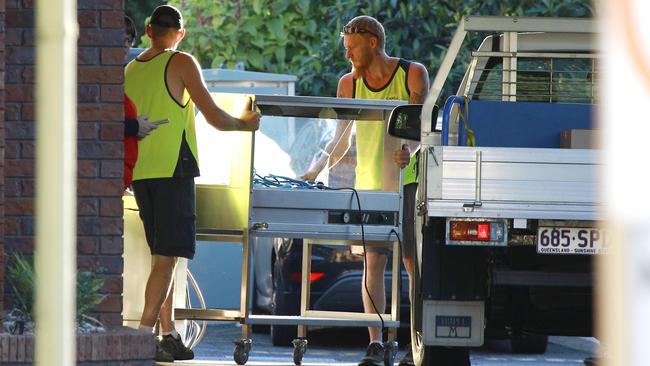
164	83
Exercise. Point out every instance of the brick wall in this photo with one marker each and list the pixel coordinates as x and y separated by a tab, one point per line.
100	131
2	147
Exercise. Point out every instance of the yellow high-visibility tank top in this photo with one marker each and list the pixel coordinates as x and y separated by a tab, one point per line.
370	134
158	153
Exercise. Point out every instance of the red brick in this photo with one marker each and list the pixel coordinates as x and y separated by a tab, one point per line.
27	187
27	149
87	19
87	56
19	206
87	131
24	245
100	112
86	263
29	74
87	245
12	226
13	74
111	207
112	264
100	150
100	4
88	168
111	131
100	187
112	93
19	92
19	18
113	56
101	74
113	284
13	37
27	226
20	55
12	150
29	37
87	207
112	19
112	226
101	37
12	187
112	169
28	112
88	94
19	168
21	130
84	347
12	111
112	245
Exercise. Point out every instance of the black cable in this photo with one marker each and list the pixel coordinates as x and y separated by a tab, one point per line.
363	242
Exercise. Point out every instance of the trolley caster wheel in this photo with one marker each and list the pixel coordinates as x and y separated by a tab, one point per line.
242	350
299	349
390	352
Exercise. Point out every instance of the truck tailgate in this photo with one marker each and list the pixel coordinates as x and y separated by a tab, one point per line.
532	183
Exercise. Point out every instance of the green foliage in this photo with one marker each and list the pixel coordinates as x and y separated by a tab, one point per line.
21	278
139	11
301	37
89	287
20	275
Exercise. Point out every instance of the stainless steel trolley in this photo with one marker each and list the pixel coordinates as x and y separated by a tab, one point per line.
236	210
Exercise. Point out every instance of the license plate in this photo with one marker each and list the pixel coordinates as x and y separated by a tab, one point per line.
570	240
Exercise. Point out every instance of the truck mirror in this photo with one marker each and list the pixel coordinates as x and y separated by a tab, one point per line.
404	122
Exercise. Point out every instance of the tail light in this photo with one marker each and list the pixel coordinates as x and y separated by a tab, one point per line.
313	276
476	231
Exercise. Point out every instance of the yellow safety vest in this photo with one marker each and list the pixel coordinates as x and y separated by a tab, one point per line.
145	83
411	170
370	134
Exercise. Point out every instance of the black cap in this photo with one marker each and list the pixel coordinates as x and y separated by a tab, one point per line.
167	16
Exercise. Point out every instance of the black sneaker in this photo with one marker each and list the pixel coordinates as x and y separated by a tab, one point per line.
162	355
175	347
407	360
374	355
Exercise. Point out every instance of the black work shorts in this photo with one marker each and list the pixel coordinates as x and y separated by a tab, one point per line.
168	211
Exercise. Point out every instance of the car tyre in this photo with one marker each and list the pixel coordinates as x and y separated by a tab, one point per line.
283	304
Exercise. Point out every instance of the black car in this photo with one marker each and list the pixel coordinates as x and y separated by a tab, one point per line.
336	277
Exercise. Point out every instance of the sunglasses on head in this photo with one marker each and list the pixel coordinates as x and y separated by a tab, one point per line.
348	29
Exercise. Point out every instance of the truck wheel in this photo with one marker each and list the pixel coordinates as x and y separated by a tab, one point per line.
424	355
529	343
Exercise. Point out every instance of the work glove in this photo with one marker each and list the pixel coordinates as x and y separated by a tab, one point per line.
145	127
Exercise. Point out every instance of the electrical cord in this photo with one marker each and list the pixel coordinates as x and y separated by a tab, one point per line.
363	242
278	181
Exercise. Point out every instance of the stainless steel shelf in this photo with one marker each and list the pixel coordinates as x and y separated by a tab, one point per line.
325	107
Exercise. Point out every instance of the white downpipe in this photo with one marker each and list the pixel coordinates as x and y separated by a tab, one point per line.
56	184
